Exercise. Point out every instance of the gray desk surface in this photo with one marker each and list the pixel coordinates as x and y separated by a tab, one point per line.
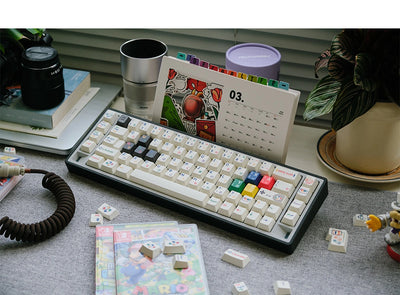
65	264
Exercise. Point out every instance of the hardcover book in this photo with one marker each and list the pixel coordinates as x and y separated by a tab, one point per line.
76	83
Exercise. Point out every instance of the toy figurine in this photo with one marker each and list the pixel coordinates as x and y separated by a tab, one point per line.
391	219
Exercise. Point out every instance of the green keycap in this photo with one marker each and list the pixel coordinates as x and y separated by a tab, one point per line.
237	185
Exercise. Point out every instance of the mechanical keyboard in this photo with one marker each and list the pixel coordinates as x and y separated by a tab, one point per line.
268	202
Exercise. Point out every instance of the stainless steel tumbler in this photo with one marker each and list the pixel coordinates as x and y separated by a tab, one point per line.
140	66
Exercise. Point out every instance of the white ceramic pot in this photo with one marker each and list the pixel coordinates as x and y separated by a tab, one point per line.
371	143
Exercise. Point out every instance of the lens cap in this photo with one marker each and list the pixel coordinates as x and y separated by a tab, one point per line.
40	57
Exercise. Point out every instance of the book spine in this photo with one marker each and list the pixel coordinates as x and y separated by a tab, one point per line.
26	118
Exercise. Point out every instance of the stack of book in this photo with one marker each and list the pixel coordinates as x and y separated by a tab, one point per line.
121	268
16	116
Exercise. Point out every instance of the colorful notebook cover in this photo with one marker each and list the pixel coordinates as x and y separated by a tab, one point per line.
105	266
138	274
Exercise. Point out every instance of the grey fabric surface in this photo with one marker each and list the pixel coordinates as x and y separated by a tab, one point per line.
65	263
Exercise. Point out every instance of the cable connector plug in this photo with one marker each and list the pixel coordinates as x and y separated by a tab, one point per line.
8	171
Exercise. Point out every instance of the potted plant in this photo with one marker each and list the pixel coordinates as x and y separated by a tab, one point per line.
361	90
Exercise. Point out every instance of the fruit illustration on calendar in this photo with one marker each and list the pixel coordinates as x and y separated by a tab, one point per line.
191	105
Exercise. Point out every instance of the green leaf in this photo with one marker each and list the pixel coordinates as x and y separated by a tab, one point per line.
351	103
339	68
322	98
363	72
322	62
342	45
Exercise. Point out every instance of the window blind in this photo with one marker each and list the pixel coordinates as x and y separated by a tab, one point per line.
97	51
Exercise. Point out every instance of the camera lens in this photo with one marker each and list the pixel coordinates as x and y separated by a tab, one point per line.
42	82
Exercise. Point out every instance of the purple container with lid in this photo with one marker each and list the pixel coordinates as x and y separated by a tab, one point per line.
254	59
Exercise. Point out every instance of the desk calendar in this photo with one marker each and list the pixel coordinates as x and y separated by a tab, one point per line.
220	107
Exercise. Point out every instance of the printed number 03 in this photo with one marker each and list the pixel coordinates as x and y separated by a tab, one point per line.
236	95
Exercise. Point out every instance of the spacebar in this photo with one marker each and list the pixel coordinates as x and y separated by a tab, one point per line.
169	188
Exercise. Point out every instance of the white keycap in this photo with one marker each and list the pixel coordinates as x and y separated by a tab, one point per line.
213	204
236	258
133	136
228	156
266	223
191	156
187	168
147	166
191	143
103	127
158	170
282	288
169	187
311	182
297	206
134	124
208	188
175	163
240	173
266	168
287	175
168	135
163	159
107	152
290	218
228	169
239	213
260	207
110	116
215	165
146	128
224	181
283	187
199	172
334	231
240	289
271	197
109	166
215	151
338	242
247	202
203	160
180	261
303	194
195	183
253	164
124	158
221	192
150	249
119	132
226	208
171	174
110	140
95	161
233	197
108	211
167	148
156	132
179	152
174	247
360	219
95	219
212	176
183	178
88	146
156	144
96	136
123	171
179	139
240	160
135	162
253	218
203	147
273	211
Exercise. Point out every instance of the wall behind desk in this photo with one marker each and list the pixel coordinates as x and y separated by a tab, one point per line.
97	51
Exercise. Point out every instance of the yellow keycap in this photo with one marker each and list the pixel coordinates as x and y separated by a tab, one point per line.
250	190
